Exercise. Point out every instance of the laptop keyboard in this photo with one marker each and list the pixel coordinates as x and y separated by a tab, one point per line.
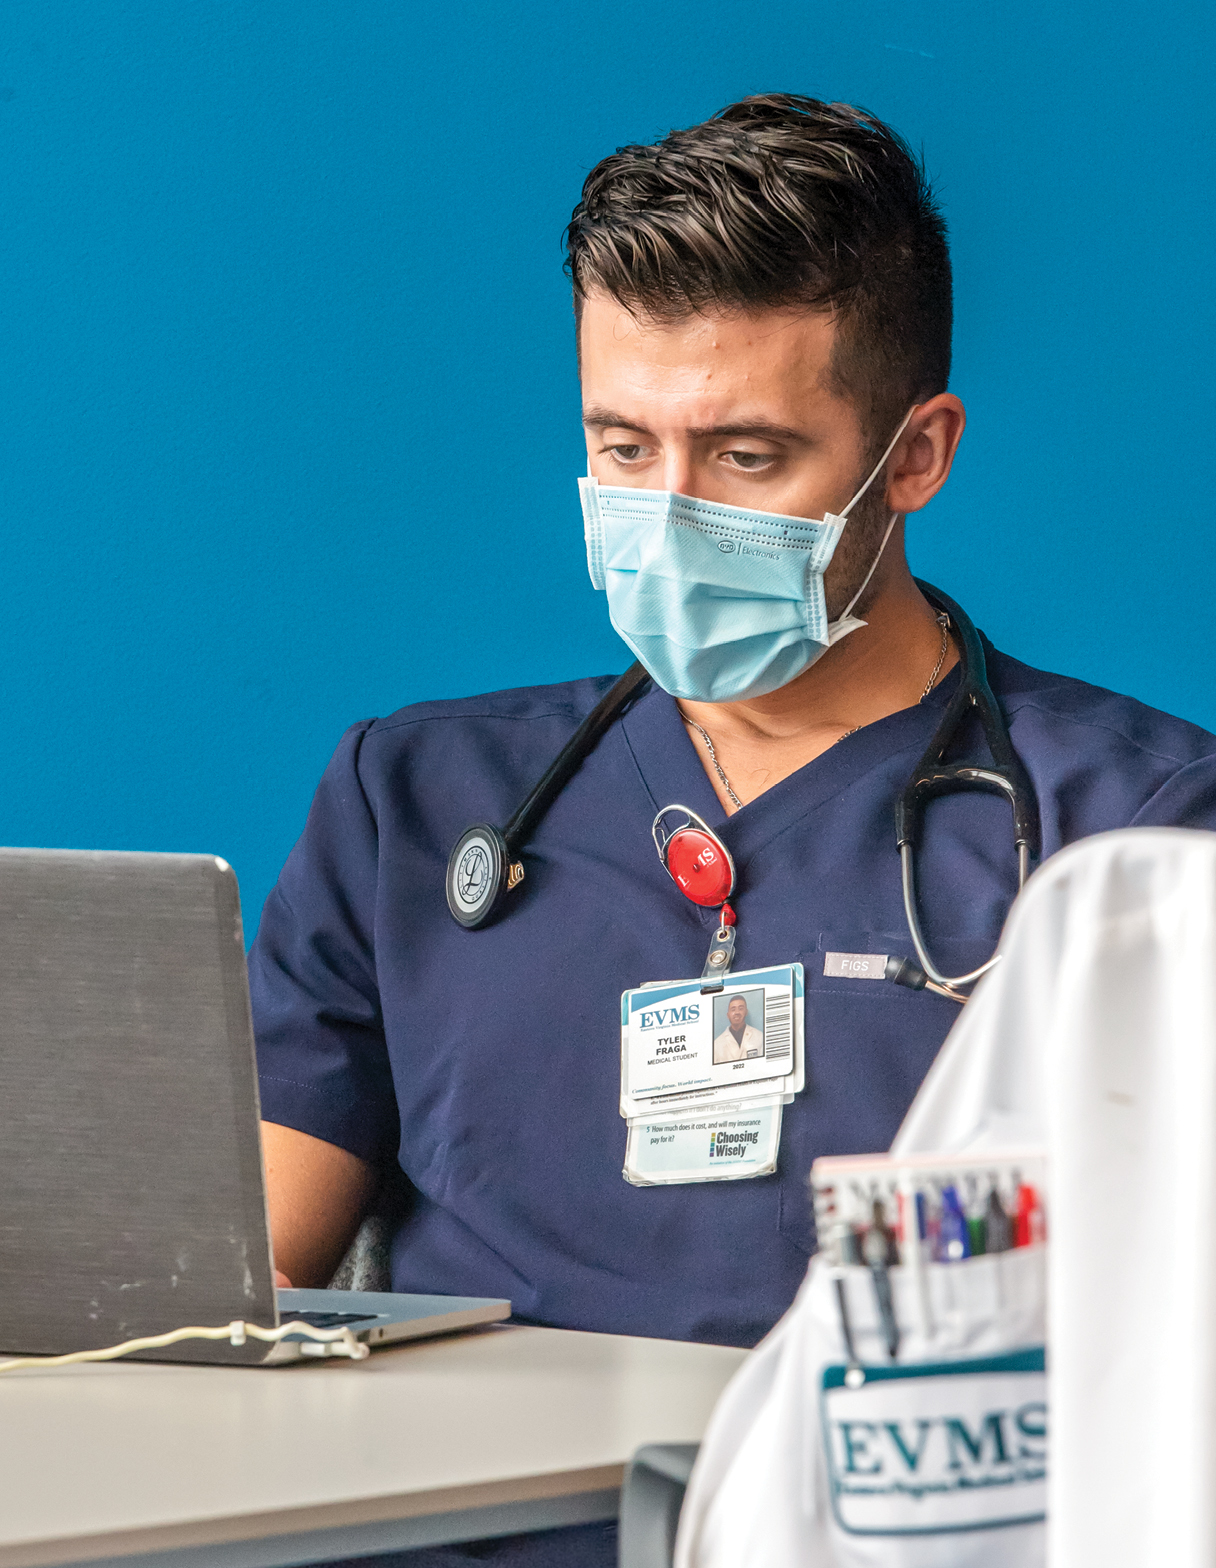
329	1319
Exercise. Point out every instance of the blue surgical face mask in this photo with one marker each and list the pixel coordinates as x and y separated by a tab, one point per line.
717	602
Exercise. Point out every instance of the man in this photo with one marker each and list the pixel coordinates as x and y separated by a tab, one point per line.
764	307
739	1039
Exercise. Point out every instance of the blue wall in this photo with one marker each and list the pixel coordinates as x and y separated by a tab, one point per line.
290	421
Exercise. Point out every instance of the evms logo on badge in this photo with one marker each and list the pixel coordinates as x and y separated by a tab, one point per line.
933	1449
669	1017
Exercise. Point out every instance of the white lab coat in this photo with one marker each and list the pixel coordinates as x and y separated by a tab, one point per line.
728	1049
1096	1038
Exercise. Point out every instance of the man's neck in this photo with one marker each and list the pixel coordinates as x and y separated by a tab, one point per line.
877	670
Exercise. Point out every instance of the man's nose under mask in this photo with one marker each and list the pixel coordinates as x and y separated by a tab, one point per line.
717	602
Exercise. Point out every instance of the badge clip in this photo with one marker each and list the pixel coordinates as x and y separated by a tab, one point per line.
721	953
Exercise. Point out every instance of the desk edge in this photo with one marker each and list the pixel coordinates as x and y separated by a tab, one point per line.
251	1527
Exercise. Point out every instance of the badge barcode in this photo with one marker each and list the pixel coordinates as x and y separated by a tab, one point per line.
778	1038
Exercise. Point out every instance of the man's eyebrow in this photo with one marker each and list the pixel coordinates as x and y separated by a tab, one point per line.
596	418
760	428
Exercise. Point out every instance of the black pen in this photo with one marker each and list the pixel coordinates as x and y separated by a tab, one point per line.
877	1248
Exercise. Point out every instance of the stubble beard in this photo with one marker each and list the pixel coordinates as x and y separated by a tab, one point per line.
854	555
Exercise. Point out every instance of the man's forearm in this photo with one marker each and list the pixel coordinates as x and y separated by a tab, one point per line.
317	1195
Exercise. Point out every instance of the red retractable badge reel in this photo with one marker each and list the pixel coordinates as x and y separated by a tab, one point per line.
700	866
699	863
697	860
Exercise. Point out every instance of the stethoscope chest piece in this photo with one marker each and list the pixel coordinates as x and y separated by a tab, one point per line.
480	874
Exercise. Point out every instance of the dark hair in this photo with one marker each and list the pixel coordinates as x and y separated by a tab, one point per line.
781	200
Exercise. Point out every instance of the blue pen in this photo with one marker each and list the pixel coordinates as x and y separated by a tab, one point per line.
954	1240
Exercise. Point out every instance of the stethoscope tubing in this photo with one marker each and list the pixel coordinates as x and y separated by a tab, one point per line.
933	777
612	705
1005	775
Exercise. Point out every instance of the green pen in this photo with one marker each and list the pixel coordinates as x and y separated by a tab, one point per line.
977	1224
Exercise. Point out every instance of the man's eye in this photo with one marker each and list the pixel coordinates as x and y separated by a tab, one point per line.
749	460
627	454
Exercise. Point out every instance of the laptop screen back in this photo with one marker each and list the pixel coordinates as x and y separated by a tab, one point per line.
131	1192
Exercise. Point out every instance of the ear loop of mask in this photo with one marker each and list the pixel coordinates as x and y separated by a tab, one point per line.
865	582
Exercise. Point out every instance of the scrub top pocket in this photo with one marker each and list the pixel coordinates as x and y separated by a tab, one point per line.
867	1053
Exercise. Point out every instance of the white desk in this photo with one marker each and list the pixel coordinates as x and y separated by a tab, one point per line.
189	1467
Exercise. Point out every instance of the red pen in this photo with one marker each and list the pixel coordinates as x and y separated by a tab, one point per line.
1028	1219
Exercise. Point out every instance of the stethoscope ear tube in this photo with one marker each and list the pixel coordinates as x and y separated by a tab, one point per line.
933	776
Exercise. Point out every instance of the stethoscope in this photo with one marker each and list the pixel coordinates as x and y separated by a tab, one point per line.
485	866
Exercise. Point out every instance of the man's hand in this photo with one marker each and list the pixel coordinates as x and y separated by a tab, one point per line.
317	1195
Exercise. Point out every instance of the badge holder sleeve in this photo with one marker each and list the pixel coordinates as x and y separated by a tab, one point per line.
725	1131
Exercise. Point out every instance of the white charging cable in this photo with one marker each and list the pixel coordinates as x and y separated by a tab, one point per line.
317	1342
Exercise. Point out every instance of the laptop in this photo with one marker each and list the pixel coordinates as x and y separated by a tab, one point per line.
132	1194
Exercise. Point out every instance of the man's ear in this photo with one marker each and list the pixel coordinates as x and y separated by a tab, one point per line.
921	462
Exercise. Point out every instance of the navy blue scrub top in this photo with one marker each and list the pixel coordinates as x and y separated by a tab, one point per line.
487	1062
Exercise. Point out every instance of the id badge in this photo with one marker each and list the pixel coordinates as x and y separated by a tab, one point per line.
682	1047
728	1143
